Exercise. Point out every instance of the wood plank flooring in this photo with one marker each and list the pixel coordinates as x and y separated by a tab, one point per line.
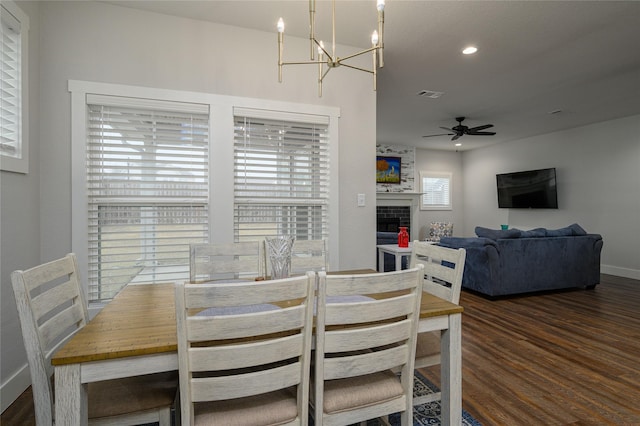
563	358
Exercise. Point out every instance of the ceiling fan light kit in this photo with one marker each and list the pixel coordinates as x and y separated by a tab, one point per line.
461	130
328	60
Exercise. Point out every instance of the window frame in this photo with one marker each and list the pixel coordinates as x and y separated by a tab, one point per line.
221	112
20	162
435	175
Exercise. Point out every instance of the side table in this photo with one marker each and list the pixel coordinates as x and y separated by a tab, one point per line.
396	251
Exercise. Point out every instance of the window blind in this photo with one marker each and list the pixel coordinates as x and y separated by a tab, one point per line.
10	85
148	190
281	176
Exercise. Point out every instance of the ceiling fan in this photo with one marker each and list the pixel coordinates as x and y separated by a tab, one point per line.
461	130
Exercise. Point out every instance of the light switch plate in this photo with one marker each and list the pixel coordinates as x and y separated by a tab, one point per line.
361	200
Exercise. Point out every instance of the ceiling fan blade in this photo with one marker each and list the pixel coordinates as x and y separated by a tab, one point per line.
441	134
481	133
486	126
455	137
447	129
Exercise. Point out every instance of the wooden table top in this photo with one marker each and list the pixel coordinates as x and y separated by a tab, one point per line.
141	320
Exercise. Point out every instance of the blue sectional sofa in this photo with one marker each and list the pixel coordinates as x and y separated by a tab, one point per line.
508	262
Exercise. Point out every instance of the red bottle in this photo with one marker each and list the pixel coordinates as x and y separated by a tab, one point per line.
403	237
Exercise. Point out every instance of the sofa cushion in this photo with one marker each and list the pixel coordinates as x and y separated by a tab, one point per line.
534	233
568	231
461	242
577	229
496	234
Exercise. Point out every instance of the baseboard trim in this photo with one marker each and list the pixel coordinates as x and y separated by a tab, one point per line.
13	387
620	272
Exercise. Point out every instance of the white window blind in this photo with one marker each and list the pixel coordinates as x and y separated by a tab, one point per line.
436	191
13	26
281	176
148	190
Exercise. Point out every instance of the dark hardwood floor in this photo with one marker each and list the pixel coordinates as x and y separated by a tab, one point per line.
563	358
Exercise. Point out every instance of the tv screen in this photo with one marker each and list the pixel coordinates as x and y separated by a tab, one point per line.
531	189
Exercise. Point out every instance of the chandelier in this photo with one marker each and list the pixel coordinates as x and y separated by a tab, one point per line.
326	60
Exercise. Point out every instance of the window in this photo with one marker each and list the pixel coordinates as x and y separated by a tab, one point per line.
281	175
14	148
436	191
148	190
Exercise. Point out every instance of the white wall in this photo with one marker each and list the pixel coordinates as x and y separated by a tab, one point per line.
598	177
100	42
19	232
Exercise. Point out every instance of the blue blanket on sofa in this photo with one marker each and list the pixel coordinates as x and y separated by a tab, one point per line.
500	263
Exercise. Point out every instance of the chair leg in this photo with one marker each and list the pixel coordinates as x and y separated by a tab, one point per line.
164	417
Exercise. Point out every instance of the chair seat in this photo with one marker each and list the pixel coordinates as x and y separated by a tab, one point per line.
273	408
360	391
132	394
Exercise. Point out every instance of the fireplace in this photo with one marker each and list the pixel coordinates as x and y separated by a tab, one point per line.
391	218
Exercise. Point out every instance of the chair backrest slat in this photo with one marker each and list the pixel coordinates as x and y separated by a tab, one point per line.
443	268
210	262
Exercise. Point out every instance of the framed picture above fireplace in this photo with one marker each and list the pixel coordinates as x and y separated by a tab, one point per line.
388	169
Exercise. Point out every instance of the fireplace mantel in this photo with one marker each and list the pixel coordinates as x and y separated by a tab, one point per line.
397	196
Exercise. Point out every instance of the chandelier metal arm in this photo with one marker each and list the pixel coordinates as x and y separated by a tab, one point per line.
362	52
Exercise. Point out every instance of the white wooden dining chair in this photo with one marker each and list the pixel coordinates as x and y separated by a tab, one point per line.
52	307
241	365
360	341
443	270
306	255
226	261
309	255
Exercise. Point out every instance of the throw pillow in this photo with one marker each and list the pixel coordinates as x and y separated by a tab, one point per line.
577	229
568	231
561	232
534	233
496	234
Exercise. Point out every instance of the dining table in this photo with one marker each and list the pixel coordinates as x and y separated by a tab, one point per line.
135	334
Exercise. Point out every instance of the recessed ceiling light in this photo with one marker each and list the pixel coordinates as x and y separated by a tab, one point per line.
458	144
470	50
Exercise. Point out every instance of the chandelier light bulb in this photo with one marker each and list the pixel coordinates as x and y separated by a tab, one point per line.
280	25
374	38
380	5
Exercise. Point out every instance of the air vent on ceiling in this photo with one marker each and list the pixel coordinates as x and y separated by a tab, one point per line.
430	94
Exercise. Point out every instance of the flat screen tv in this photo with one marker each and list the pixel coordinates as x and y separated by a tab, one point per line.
531	189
